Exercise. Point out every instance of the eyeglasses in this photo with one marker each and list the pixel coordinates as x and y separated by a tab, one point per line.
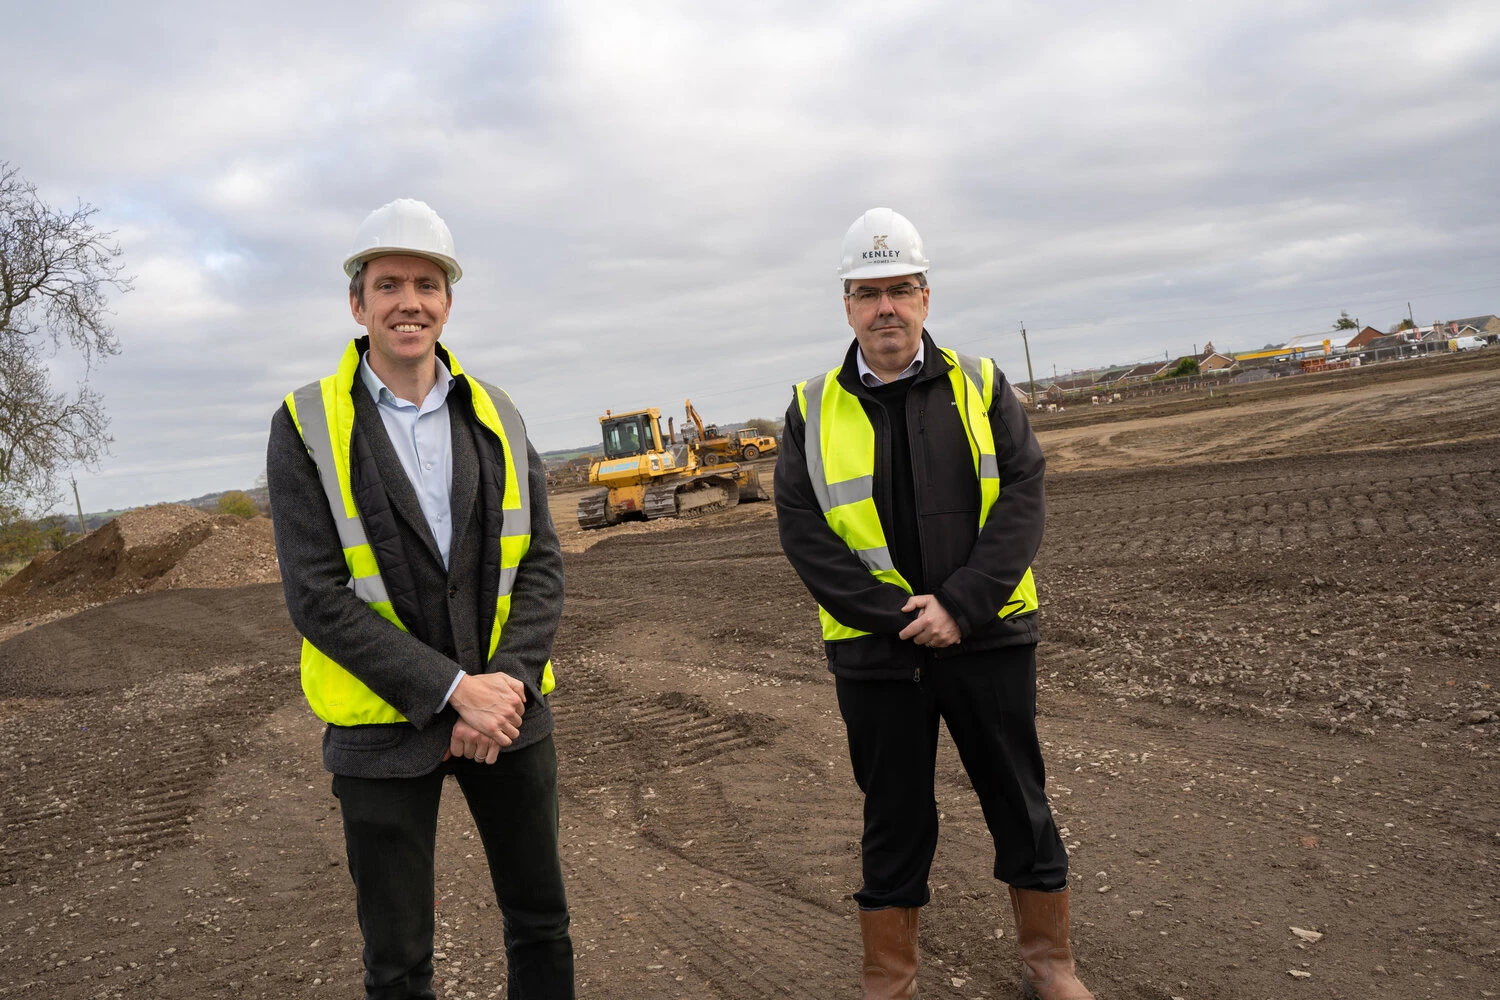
901	293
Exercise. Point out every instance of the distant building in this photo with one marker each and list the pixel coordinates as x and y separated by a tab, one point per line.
1487	327
1211	360
1110	377
1315	345
1063	386
1364	338
1144	373
1384	342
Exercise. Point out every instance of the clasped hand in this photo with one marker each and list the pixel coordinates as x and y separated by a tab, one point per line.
933	626
489	707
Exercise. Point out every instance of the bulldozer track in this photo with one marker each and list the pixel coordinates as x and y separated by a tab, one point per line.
593	510
729	499
665	499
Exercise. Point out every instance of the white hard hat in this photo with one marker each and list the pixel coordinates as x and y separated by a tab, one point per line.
404	226
881	244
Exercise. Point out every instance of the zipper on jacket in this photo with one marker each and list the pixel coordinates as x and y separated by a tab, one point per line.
921	435
917	487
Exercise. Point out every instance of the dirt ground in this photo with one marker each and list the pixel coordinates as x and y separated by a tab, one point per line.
1267	698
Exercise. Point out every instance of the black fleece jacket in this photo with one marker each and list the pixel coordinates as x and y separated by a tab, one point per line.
971	571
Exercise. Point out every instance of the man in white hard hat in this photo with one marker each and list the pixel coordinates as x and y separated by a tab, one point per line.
909	500
421	567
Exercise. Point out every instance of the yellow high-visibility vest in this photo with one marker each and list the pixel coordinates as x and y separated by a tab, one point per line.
840	448
323	412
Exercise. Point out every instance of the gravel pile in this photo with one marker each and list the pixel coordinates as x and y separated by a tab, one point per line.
238	552
168	546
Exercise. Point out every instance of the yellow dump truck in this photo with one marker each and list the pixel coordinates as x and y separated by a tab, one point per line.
713	446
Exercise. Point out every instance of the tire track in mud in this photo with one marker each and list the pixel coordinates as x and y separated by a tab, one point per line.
613	734
1308	510
111	772
84	787
644	770
650	755
740	941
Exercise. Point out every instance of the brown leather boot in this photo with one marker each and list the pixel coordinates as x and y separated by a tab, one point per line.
890	937
1047	959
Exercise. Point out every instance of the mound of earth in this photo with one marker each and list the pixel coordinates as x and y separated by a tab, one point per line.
167	546
238	552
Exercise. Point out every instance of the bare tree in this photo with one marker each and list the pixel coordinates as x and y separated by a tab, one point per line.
55	270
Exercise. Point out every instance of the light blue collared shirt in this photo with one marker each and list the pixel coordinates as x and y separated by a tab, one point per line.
423	440
872	380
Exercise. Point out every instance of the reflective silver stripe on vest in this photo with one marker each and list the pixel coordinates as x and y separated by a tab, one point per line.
313	418
512	523
812	444
850	491
972	367
831	495
989	465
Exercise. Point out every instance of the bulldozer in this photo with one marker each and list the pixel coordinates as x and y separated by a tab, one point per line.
713	447
646	474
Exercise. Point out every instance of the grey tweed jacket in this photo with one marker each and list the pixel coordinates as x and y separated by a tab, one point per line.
412	675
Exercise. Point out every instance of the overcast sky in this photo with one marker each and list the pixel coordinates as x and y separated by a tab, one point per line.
648	199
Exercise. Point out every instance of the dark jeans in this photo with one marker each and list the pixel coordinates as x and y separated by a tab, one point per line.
390	831
988	701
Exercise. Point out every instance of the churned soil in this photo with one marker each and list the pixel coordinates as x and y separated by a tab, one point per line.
1267	699
168	546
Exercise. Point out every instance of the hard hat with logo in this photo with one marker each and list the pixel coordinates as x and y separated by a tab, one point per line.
881	244
404	226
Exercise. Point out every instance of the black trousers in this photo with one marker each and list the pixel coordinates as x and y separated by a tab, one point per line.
390	832
988	701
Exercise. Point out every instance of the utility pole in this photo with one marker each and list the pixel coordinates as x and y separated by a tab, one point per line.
82	529
1409	316
1030	378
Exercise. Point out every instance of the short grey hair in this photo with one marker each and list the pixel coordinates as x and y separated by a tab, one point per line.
921	277
357	282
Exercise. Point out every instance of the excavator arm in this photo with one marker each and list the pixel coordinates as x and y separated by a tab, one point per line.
692	414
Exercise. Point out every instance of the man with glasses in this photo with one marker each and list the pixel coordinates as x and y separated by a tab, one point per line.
909	499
